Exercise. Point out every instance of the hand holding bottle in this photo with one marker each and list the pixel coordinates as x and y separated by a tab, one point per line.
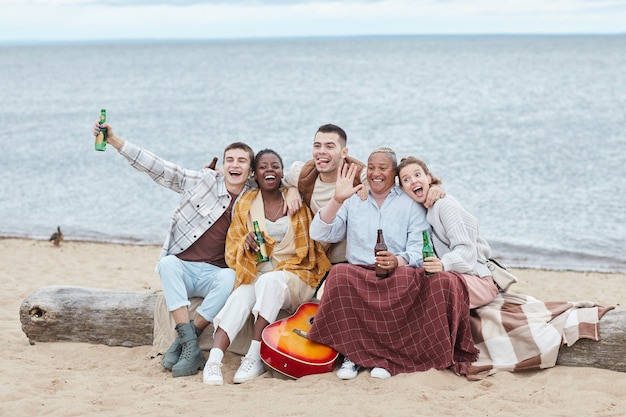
384	261
101	137
249	242
259	241
112	138
432	265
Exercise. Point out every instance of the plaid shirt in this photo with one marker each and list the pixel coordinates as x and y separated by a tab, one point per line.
308	260
204	196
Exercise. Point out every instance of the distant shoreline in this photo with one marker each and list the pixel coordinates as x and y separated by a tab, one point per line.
158	246
44	42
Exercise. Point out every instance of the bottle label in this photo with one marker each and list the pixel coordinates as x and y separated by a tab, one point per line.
263	252
101	138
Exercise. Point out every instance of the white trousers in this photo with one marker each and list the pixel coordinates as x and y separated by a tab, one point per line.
266	296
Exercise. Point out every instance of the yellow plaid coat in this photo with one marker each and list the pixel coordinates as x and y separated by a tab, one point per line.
309	261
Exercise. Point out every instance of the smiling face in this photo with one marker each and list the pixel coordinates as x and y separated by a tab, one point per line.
415	182
237	168
328	154
381	173
268	171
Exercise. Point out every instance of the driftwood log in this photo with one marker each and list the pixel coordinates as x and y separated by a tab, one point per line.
77	314
118	318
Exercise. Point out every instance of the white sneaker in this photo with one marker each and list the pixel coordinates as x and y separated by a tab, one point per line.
212	373
250	368
348	370
380	373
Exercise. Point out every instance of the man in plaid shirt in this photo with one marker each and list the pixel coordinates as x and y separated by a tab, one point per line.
192	260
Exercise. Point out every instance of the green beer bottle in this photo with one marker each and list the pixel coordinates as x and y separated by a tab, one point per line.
101	139
427	249
261	254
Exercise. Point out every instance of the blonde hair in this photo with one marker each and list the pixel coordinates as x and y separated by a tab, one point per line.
389	152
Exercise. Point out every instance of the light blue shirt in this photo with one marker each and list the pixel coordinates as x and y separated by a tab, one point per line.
401	219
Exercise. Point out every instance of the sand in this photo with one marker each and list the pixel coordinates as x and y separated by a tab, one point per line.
77	379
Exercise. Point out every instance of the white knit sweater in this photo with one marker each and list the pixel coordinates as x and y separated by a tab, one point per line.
456	238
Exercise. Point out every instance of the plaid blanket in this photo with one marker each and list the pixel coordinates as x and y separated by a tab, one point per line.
405	323
518	332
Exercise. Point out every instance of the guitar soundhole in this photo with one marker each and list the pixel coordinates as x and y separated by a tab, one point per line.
310	321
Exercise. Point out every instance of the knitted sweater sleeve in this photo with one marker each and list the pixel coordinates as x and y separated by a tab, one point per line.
455	233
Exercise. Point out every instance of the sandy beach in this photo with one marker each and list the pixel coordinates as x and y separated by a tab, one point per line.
77	379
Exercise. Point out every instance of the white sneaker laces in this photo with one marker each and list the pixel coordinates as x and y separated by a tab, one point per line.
213	368
348	365
247	363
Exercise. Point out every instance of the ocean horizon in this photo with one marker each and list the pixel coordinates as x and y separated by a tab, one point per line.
22	42
527	131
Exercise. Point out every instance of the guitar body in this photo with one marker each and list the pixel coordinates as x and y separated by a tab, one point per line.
285	348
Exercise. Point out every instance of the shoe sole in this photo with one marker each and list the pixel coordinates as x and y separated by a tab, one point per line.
249	378
350	376
213	383
187	372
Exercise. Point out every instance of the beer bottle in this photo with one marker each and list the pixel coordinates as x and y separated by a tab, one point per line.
261	254
427	249
380	245
101	139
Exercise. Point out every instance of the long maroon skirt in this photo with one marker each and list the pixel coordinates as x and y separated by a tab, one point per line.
407	322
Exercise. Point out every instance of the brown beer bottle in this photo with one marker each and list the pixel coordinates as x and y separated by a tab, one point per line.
380	245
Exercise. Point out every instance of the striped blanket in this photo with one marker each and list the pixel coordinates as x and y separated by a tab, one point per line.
518	332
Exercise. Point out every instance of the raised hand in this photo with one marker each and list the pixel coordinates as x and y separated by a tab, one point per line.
112	138
344	188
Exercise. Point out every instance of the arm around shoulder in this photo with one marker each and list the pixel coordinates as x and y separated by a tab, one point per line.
292	177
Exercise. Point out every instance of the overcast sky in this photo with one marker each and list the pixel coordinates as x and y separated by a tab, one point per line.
216	19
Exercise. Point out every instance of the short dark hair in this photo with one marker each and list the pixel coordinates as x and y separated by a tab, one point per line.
331	128
242	146
263	152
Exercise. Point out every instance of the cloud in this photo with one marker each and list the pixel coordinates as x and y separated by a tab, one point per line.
219	19
177	3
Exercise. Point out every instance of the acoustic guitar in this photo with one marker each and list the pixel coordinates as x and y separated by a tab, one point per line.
286	349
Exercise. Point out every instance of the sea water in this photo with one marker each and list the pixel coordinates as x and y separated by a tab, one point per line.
527	132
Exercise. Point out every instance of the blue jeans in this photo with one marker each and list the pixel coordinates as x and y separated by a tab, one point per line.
182	280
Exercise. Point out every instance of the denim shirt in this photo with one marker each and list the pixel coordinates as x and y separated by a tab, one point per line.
401	219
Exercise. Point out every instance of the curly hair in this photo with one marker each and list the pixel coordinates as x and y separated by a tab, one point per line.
263	152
